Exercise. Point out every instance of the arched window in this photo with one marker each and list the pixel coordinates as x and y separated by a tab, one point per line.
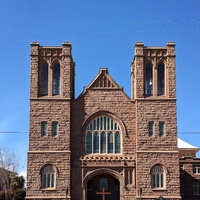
56	79
149	79
103	135
161	79
44	80
157	177
48	177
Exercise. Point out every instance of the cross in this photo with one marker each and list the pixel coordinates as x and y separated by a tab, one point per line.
103	193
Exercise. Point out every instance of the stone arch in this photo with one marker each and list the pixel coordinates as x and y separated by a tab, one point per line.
106	113
48	164
93	173
158	164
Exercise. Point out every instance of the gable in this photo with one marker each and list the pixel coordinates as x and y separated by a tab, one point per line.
103	80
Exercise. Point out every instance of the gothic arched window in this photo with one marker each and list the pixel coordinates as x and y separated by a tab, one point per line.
48	177
56	79
161	79
157	177
149	79
103	135
44	80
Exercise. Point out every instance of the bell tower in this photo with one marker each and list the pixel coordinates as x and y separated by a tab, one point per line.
154	94
51	93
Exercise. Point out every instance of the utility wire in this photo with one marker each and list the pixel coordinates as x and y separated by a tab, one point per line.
25	132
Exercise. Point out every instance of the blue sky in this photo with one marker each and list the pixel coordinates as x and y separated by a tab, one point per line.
102	34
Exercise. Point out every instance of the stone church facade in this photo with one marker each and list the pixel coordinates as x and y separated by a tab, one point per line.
103	143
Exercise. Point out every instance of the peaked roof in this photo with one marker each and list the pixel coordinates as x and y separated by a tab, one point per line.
184	145
103	80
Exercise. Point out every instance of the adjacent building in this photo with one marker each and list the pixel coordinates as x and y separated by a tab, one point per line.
103	143
189	171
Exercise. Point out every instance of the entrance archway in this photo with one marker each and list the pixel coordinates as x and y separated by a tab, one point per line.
103	187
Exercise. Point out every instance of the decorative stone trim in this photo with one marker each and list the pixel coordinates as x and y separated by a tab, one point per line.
102	160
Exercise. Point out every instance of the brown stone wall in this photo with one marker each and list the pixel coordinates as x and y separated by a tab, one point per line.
36	160
156	111
67	150
49	110
113	101
145	160
50	149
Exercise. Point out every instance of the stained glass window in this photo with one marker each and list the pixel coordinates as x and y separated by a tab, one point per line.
103	142
96	142
117	142
110	142
44	79
103	136
149	79
161	79
89	143
56	79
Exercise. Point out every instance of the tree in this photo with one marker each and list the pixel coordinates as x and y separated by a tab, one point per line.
11	184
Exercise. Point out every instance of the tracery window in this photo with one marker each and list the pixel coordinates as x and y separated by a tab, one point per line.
157	177
103	136
48	177
44	79
56	79
149	79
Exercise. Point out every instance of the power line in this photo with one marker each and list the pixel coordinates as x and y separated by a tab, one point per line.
25	132
98	21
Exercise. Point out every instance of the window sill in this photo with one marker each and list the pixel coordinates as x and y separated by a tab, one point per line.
48	189
159	189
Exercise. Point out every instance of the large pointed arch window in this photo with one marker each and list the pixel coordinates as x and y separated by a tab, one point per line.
56	79
161	79
44	79
103	136
149	79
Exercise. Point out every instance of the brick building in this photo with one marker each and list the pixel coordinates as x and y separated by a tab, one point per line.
103	141
189	171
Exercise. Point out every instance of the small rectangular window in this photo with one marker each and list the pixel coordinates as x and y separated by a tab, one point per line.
44	128
150	128
196	169
161	128
54	128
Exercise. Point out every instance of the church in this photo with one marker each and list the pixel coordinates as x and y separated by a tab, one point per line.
103	145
